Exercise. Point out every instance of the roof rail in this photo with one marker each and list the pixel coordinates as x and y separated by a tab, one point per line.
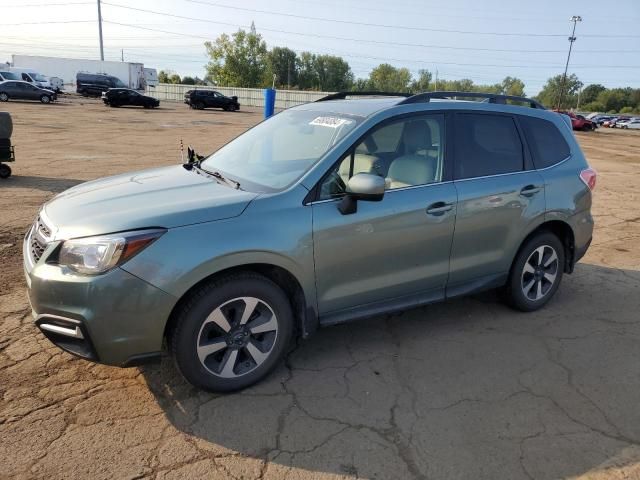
488	97
343	95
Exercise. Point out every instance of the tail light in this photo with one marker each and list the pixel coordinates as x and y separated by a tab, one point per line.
588	176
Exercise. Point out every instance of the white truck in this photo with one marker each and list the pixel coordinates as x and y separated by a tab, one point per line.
31	75
133	75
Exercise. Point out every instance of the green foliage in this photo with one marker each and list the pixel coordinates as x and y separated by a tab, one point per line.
423	82
512	86
590	93
387	78
163	77
240	60
188	81
282	62
323	72
550	93
626	110
175	79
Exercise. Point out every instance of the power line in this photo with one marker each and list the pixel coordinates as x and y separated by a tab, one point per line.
46	4
307	34
434	62
44	23
401	27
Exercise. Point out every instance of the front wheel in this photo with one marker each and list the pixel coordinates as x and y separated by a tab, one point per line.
5	170
536	272
4	97
45	99
232	332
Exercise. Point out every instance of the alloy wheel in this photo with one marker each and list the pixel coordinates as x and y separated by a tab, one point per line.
539	273
237	337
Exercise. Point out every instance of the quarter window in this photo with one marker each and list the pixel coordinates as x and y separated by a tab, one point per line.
546	143
486	145
405	152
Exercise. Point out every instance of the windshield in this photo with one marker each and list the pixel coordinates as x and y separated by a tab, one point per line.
277	152
38	77
9	76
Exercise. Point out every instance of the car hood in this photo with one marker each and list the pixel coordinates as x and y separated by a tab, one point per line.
162	197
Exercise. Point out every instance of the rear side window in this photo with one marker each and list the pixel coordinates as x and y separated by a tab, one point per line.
546	143
486	145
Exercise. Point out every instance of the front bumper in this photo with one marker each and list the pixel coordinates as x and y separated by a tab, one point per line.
114	318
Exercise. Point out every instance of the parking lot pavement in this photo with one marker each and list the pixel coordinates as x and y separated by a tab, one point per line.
468	389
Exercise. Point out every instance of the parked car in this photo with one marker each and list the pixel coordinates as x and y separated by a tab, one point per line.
201	99
622	122
633	124
6	75
118	97
600	119
94	84
7	151
579	122
20	90
326	212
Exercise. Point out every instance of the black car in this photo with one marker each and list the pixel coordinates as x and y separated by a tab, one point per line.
201	99
95	84
19	90
117	97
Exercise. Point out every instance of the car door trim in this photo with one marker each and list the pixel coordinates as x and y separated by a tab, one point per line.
387	192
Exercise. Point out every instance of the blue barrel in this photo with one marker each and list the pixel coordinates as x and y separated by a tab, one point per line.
269	101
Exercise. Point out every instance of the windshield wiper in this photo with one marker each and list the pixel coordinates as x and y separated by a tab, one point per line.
219	176
195	161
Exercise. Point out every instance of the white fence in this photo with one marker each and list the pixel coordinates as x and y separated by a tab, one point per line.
250	97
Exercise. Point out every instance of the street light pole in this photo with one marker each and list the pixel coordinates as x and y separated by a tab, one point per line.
575	19
100	32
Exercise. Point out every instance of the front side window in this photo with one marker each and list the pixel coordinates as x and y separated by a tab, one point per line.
546	143
486	145
277	152
406	153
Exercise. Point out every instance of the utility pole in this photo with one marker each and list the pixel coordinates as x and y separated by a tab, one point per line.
122	54
100	32
435	89
575	19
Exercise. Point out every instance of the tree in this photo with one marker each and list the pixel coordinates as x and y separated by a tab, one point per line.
423	82
240	60
174	78
387	78
591	92
512	86
550	93
283	63
188	81
163	76
333	73
306	71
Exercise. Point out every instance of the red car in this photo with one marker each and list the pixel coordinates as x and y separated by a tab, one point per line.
578	122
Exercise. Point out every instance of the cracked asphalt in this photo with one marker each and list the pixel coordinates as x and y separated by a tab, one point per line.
467	389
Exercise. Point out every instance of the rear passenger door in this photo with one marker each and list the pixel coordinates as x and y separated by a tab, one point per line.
499	196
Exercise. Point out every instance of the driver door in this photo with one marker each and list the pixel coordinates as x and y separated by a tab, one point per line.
393	253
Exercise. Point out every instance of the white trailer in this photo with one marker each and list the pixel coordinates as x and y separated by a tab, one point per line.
131	74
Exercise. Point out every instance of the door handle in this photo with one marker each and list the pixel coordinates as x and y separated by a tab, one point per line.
530	190
439	208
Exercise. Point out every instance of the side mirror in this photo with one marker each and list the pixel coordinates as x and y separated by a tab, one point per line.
362	186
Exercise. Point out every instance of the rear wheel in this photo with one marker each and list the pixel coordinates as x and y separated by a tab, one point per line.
199	105
5	170
4	97
536	272
232	332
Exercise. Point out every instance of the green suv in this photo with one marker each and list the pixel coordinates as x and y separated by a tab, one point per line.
331	211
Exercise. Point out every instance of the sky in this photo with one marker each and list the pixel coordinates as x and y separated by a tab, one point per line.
476	39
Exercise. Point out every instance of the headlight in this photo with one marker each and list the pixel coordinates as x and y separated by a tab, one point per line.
95	255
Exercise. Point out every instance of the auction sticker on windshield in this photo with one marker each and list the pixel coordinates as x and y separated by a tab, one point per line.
331	122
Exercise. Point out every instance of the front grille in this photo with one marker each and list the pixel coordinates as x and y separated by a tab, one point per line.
39	237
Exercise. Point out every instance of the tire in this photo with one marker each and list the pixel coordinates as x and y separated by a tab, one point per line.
45	99
533	283
211	313
199	106
4	97
5	170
